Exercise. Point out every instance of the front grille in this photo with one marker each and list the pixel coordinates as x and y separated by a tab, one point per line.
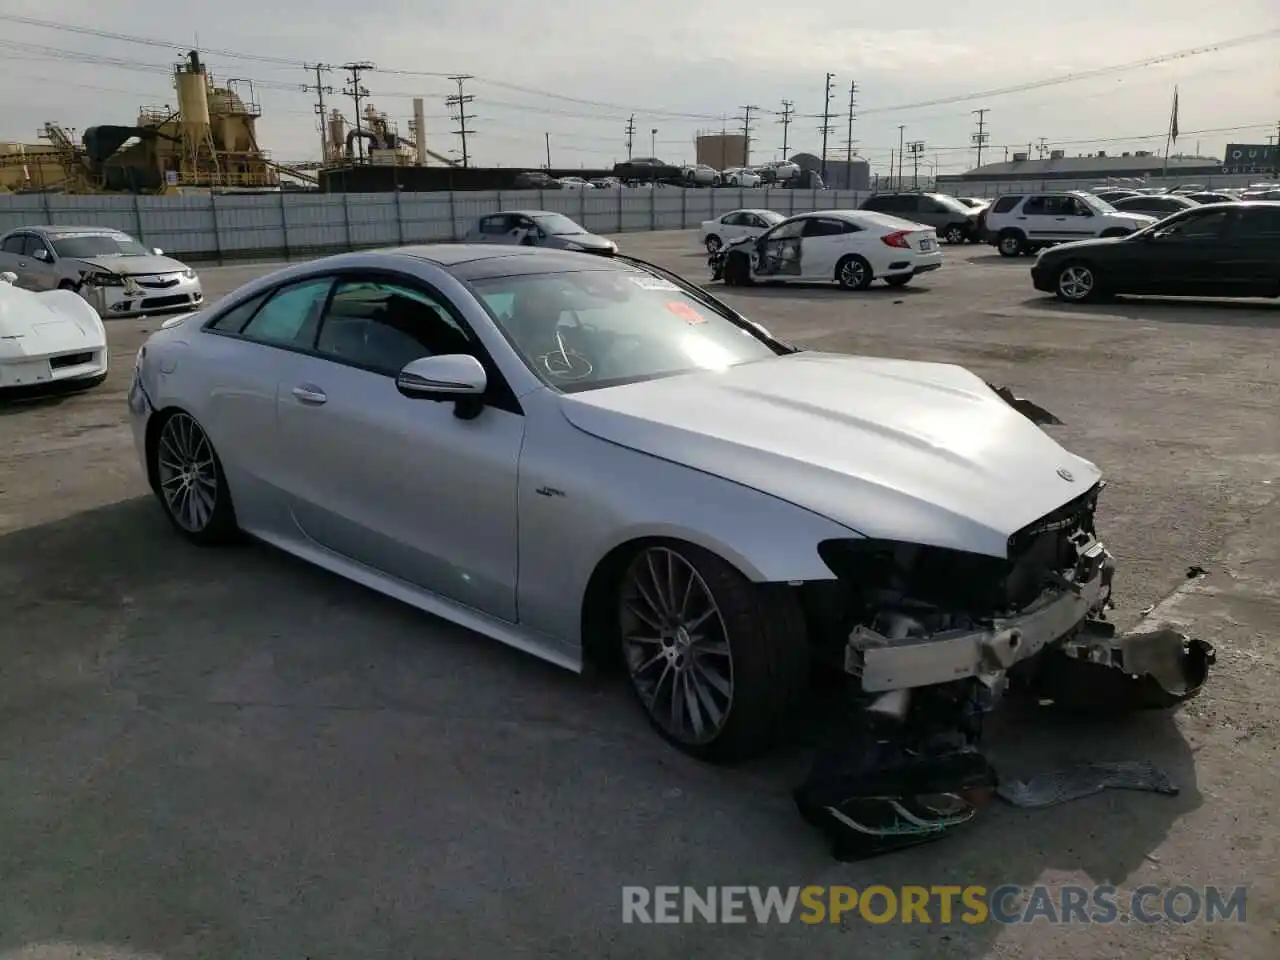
156	283
1074	515
157	303
70	360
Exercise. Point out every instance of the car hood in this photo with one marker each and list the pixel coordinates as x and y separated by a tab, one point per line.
44	320
133	266
919	452
1138	220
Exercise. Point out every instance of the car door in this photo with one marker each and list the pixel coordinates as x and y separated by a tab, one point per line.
1041	220
1250	251
11	249
823	243
400	485
493	229
777	252
39	271
1187	258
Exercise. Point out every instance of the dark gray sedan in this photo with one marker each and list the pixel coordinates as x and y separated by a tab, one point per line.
538	228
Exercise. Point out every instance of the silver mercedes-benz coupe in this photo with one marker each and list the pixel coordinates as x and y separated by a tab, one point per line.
584	456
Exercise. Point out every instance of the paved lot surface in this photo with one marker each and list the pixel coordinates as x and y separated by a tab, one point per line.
229	754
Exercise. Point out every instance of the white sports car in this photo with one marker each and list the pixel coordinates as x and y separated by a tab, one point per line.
851	247
49	339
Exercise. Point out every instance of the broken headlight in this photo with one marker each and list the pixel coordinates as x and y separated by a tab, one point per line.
100	278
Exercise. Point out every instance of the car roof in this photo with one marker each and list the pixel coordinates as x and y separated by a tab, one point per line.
477	261
62	228
528	213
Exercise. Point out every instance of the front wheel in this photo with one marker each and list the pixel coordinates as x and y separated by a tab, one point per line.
187	477
716	661
954	234
713	244
737	270
1011	244
1077	283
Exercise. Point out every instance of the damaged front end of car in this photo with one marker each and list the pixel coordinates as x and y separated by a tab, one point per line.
931	639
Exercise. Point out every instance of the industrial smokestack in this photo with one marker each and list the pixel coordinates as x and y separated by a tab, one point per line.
420	129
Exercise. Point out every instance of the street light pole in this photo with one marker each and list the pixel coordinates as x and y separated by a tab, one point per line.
901	128
653	142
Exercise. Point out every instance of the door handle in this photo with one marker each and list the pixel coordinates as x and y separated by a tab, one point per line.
308	394
1022	218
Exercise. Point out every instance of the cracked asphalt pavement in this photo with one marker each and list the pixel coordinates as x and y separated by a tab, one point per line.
226	753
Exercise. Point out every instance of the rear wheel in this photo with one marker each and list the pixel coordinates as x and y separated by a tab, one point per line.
854	273
716	661
954	234
713	243
1011	243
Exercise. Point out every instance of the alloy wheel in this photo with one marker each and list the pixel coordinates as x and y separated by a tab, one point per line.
1011	246
955	235
187	473
676	646
1075	282
852	273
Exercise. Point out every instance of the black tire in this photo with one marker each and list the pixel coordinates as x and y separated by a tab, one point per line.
1011	243
763	630
737	270
955	234
164	452
1077	282
713	243
897	281
854	273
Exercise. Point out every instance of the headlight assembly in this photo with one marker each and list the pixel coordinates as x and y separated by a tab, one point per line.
189	273
101	279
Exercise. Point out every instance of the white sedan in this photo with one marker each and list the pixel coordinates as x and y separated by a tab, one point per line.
737	225
49	339
853	248
740	177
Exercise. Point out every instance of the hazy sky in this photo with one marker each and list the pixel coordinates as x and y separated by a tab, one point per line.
679	67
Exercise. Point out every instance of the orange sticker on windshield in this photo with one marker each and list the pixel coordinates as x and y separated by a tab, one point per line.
685	312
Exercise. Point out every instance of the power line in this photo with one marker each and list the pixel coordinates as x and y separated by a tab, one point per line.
357	92
981	137
320	90
826	125
460	100
788	110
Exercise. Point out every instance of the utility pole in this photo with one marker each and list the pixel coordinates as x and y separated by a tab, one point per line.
980	138
901	152
788	111
548	137
853	102
319	89
746	133
631	134
460	101
916	147
357	92
826	125
1042	148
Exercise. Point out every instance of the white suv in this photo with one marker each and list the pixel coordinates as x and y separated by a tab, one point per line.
1024	222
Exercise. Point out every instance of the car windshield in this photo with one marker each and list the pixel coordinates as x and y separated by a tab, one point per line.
80	245
1096	203
591	329
556	224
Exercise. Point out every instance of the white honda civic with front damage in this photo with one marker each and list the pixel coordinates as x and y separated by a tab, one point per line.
48	340
588	457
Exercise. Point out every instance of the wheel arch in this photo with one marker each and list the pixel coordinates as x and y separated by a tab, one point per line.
155	422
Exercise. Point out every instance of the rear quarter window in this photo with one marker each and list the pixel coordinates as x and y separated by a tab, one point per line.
1005	204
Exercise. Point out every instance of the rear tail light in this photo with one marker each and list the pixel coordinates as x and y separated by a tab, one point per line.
897	239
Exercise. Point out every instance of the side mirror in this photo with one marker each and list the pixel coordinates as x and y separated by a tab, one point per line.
157	251
455	376
42	255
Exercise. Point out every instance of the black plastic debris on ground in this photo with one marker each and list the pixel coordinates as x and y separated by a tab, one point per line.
1032	411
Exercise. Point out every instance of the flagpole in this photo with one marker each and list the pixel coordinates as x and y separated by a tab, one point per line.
1168	137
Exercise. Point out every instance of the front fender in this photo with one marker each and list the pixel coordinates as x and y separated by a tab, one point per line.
572	518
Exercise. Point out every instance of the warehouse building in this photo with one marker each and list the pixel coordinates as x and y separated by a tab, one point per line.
1101	166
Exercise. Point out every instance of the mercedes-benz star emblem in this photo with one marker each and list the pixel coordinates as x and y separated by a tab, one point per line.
1066	474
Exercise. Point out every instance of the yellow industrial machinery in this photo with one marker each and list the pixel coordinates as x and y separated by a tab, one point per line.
208	142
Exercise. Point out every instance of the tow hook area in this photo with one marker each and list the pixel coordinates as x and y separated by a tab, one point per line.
907	768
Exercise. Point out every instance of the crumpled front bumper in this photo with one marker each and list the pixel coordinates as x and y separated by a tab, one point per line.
135	298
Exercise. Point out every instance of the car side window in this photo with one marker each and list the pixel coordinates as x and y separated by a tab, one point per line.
235	319
758	221
906	204
34	245
1258	223
787	231
1038	206
731	219
493	225
822	227
291	316
14	244
876	203
382	325
1005	204
1202	227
